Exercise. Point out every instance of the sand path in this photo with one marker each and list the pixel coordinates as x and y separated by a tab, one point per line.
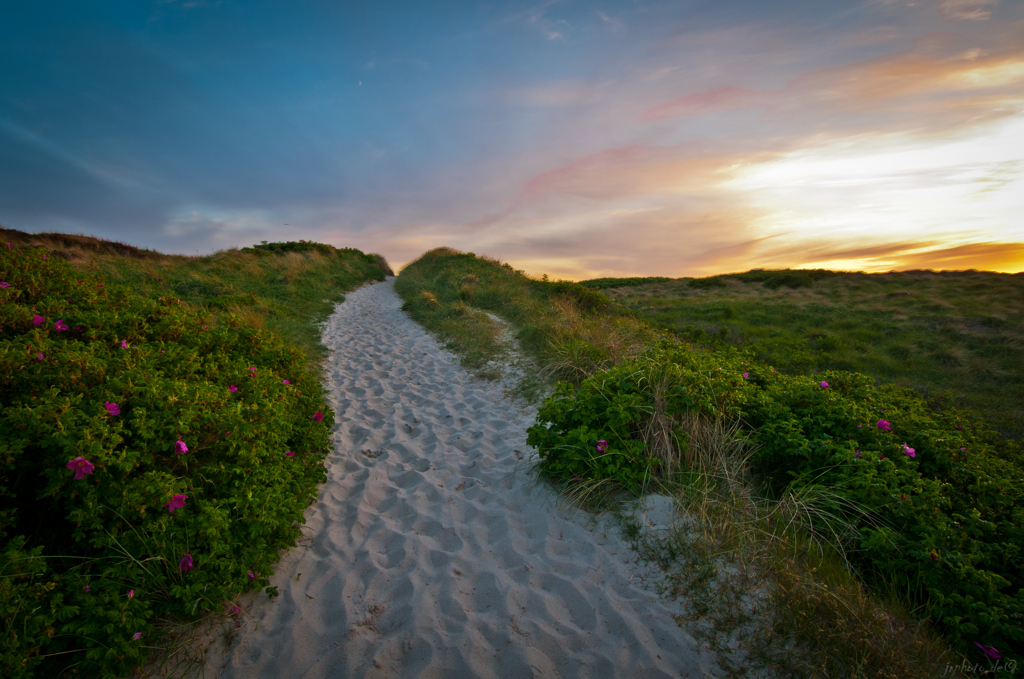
432	551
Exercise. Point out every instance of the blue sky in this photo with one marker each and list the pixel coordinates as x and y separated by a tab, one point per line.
573	138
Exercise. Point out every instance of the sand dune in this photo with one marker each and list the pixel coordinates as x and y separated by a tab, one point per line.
433	552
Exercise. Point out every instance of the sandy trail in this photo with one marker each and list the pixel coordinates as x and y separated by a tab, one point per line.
432	551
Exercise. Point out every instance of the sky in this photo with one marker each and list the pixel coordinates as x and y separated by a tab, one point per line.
577	139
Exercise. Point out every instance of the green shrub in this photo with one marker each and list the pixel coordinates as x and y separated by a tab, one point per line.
88	370
932	502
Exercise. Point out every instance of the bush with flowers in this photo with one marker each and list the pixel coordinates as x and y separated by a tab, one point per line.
152	464
932	501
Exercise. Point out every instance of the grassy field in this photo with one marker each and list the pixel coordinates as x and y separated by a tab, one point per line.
956	337
951	337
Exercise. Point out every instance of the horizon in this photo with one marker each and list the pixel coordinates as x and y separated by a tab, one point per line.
580	140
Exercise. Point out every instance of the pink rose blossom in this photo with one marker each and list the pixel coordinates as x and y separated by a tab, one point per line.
177	502
884	426
908	451
289	453
185	564
80	466
137	636
39	356
61	326
602	446
4	284
824	385
124	344
180	447
318	417
251	576
131	593
232	388
112	408
37	320
746	374
285	382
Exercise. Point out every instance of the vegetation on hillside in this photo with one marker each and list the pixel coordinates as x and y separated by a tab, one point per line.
817	480
161	434
956	337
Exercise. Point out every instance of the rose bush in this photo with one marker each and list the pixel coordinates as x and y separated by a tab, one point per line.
143	465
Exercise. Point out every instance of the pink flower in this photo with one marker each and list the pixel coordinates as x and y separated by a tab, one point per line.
856	453
177	502
285	382
934	556
137	636
235	610
746	374
884	426
318	417
611	346
289	453
124	344
80	466
824	385
45	257
251	576
185	564
908	451
87	589
39	356
232	388
903	496
252	369
131	593
180	447
112	408
4	284
602	446
37	320
990	653
61	326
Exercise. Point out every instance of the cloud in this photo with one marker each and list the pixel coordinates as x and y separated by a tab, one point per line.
943	79
1007	257
967	10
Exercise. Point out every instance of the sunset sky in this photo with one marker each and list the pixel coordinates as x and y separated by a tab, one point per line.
578	139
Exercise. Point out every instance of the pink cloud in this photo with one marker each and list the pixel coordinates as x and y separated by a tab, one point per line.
721	99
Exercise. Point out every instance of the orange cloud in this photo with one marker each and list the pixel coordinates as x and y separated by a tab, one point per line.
1002	257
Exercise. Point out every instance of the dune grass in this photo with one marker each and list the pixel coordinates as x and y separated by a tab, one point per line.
955	337
287	292
766	579
569	331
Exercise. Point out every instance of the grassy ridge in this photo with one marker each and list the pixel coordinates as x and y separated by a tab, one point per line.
571	330
845	503
286	290
159	443
955	337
